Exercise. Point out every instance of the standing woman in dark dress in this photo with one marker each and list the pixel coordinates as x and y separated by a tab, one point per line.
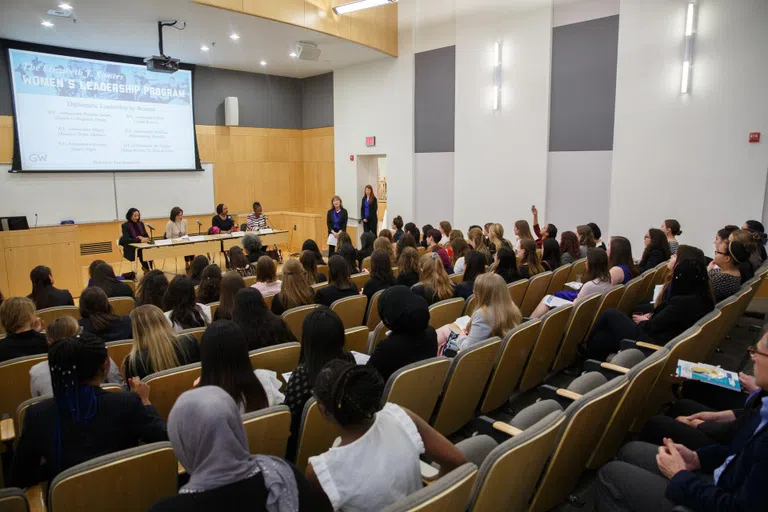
223	220
336	219
134	232
369	211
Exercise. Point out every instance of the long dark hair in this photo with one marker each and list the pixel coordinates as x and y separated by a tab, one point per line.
366	241
196	268
691	277
104	278
338	270
381	267
569	243
322	340
350	393
308	261
41	282
474	265
413	230
237	258
550	253
152	289
658	241
349	254
406	240
311	245
231	283
95	305
261	327
621	254
210	285
597	265
180	301
224	362
507	266
175	212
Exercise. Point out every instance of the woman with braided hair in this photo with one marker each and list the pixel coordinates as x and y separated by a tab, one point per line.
81	421
377	462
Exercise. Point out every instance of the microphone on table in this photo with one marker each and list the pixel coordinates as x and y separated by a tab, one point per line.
35	220
151	234
199	225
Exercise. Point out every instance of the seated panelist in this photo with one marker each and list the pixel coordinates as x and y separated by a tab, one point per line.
222	221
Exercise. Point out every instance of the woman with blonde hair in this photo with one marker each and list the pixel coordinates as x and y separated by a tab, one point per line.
155	346
529	262
586	239
295	290
408	266
266	277
523	232
384	244
476	240
496	236
495	314
433	284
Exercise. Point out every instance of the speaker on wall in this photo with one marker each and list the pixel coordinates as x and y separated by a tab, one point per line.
231	112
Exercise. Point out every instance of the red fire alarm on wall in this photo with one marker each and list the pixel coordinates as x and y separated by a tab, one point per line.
754	137
351	158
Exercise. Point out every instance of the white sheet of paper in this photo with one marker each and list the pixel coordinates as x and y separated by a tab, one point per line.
162	242
198	238
266	231
331	239
656	292
462	322
555	302
574	285
360	358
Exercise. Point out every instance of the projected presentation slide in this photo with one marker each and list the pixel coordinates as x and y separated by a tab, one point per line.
76	114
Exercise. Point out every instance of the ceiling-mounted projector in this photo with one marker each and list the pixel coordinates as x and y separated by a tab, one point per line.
308	51
163	63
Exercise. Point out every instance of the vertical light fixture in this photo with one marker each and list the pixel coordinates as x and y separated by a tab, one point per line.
497	75
690	33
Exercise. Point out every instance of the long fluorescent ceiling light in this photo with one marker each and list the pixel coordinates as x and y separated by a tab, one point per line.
359	5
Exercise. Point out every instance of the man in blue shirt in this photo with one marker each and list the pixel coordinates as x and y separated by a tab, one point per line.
717	478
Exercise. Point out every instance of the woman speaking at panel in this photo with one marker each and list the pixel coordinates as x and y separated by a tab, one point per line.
177	228
223	220
134	232
369	211
336	219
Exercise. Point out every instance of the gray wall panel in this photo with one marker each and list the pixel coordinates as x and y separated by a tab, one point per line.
583	97
317	101
6	107
435	100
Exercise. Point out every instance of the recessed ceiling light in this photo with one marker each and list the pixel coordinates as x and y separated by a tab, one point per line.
263	63
46	23
204	48
65	7
234	37
293	54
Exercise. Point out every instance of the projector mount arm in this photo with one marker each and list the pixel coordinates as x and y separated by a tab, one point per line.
160	25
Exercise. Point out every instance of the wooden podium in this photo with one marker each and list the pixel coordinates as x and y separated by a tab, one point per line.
56	247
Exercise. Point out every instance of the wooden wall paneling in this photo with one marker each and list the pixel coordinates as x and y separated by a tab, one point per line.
231	5
319	16
6	139
287	11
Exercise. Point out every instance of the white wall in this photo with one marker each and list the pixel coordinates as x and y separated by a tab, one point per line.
687	156
433	178
586	198
568	12
501	156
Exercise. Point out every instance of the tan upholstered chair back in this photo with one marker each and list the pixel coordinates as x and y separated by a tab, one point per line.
351	310
581	319
610	300
356	338
360	279
268	430
631	296
122	306
537	289
294	318
417	386
14	382
517	291
448	494
166	386
544	351
578	268
373	310
49	315
316	434
280	358
559	278
445	312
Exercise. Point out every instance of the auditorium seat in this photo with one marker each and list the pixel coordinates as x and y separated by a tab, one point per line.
644	295
167	386
13	499
578	268
609	300
366	264
197	332
537	289
282	358
316	434
378	334
294	318
268	430
445	312
319	286
464	385
249	281
421	250
214	306
559	278
351	310
14	382
373	317
470	305
130	479
356	338
456	278
581	319
447	494
360	279
49	315
631	296
21	412
323	269
268	301
118	351
545	349
122	306
417	386
517	291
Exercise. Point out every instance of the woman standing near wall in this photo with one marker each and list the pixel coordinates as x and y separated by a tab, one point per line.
336	220
369	211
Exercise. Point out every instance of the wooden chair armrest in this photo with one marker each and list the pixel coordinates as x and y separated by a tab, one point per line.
614	368
36	498
429	474
649	346
568	394
507	428
181	469
7	430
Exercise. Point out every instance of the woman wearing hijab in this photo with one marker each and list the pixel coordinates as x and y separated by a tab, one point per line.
209	440
411	340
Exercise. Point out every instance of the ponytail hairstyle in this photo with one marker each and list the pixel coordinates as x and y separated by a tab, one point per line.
350	394
586	236
757	228
477	241
41	280
673	226
209	289
433	277
413	230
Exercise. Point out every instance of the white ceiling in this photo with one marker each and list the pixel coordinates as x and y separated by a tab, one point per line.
129	27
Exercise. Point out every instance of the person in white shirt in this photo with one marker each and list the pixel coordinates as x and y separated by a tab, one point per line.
257	220
183	311
377	462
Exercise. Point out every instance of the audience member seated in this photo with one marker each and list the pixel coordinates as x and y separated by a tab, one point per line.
505	264
597	235
434	284
92	267
425	229
460	249
374	440
209	290
366	247
724	273
152	289
475	266
384	244
758	231
405	241
322	342
261	327
40	374
597	279
713	478
97	317
224	363
266	276
495	315
155	346
397	226
478	243
411	229
752	243
683	252
196	268
549	231
308	261
690	299
81	421
44	294
433	246
620	261
570	251
294	290
523	232
311	245
408	266
496	237
104	278
381	274
445	229
339	284
231	283
529	259
182	310
671	229
133	232
222	221
387	234
209	440
239	263
411	340
656	250
550	254
23	329
349	254
253	247
586	239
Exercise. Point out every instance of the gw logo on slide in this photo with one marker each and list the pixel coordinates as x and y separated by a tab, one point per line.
38	157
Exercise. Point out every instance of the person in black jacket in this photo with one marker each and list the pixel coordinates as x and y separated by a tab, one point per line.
689	300
336	220
81	421
366	247
408	266
381	274
369	211
253	247
656	250
340	285
223	220
134	232
97	317
104	278
412	339
44	294
474	265
311	245
23	329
